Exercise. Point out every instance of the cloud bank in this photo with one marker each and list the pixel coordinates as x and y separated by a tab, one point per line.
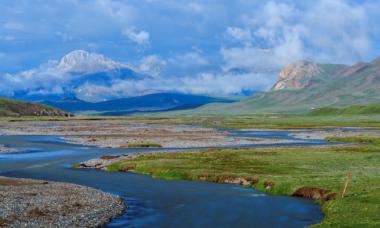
94	77
212	47
279	33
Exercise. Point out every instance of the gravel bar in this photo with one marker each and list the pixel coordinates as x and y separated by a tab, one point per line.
35	203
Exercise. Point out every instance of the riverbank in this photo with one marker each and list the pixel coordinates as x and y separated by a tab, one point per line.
34	203
280	171
127	133
161	132
342	132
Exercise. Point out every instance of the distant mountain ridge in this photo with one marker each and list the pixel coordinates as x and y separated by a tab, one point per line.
304	86
147	103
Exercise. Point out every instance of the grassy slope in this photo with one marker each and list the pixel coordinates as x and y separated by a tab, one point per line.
327	89
289	169
352	116
300	101
355	109
10	107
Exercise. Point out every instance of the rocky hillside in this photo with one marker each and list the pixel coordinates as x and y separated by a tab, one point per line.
305	86
304	74
10	107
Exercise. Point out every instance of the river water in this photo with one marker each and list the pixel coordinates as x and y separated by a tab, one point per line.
160	203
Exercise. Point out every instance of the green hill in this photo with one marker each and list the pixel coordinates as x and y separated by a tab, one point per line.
13	108
304	86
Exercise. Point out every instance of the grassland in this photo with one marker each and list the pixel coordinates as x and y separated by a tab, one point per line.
276	121
355	109
352	116
289	169
269	121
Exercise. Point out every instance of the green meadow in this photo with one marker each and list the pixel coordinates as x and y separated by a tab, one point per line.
288	169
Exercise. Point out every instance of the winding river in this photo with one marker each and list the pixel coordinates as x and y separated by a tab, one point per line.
160	203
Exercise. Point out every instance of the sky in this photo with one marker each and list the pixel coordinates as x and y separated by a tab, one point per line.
203	47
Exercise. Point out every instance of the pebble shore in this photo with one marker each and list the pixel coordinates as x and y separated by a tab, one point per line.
34	203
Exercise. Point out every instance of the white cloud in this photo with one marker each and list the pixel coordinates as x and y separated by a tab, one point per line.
140	37
151	65
240	34
190	59
71	74
249	58
325	31
120	11
204	83
222	84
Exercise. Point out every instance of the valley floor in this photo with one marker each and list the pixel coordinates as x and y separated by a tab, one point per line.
185	132
273	170
131	133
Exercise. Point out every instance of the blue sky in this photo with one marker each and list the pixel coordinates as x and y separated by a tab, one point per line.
191	41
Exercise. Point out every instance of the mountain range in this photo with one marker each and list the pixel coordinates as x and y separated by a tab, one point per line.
304	86
75	84
301	87
147	103
78	73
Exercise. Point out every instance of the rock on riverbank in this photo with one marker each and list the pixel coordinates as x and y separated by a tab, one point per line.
32	203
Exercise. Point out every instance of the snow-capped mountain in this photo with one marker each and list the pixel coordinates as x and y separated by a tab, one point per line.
80	61
78	73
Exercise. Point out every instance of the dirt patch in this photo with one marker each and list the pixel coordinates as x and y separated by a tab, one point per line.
268	184
315	193
108	157
128	167
17	182
240	180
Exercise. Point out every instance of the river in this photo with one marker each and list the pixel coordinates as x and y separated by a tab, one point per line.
160	203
